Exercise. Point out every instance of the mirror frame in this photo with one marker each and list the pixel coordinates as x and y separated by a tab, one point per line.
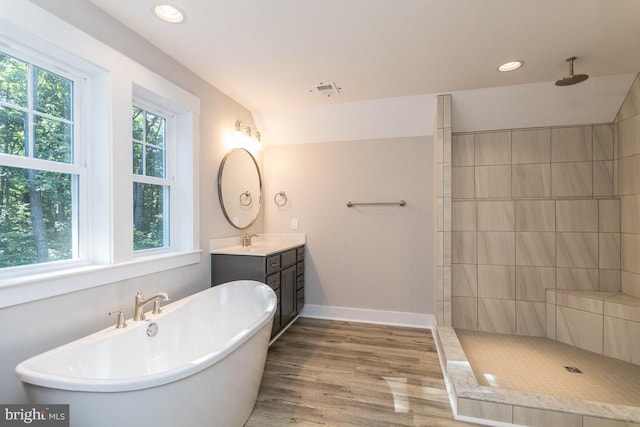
259	202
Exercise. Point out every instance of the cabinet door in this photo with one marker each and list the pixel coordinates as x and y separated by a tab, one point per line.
287	295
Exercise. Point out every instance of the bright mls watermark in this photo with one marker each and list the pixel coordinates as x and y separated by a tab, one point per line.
34	415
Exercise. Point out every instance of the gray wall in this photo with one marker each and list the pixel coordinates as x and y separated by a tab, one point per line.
374	258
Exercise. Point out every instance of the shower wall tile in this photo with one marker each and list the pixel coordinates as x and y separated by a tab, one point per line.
621	339
585	279
493	182
622	307
446	149
609	280
496	247
591	302
532	282
446	180
493	148
535	248
464	313
609	215
497	315
463	216
629	214
531	180
579	328
497	281
629	175
531	318
609	250
603	142
496	215
630	251
531	146
462	151
446	313
446	208
535	215
464	280
630	283
603	178
571	144
551	321
571	179
577	215
464	247
630	136
462	182
577	250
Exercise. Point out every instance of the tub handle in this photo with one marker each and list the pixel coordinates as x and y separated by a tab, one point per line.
121	322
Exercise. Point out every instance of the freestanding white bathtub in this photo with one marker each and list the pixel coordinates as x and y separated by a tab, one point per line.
202	368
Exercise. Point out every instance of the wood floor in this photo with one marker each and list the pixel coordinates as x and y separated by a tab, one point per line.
330	373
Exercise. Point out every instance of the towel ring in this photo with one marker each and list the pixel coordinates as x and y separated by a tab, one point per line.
245	198
280	199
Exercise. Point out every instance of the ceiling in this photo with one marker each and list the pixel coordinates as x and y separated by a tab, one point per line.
269	54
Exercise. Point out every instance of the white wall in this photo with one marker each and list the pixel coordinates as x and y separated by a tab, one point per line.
366	258
31	328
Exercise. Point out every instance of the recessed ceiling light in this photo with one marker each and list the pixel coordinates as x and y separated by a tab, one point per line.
510	66
168	13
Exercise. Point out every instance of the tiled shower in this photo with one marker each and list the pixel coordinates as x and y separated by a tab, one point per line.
535	209
531	209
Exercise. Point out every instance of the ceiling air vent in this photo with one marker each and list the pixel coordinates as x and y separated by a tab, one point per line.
326	89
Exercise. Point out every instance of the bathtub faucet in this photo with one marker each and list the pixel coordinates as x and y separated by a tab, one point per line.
246	239
141	302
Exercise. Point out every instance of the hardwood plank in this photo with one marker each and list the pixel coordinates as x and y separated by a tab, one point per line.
331	373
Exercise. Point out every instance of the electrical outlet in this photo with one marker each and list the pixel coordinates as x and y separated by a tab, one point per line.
294	223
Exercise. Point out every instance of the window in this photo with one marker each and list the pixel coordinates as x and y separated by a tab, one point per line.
151	187
39	177
67	151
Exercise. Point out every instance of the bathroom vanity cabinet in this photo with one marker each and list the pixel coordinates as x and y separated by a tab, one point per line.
283	271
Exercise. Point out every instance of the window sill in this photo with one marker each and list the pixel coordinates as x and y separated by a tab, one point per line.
19	290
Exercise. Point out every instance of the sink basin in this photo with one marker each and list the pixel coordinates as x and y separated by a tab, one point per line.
264	244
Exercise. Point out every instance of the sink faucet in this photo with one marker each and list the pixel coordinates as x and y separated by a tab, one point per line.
246	239
141	302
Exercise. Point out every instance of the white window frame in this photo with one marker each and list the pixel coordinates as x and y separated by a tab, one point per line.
106	241
76	167
170	178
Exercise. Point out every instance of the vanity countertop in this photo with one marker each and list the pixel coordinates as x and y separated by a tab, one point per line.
264	244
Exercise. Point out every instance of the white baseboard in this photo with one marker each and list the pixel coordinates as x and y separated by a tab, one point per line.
397	318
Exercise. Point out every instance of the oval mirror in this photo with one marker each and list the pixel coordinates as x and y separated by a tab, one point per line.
240	188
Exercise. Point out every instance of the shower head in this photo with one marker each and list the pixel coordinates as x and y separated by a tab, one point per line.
571	79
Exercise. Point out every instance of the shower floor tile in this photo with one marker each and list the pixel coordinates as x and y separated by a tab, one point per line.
539	365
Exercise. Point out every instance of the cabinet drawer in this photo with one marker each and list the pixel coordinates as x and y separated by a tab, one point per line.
288	258
274	281
300	282
300	253
273	264
300	268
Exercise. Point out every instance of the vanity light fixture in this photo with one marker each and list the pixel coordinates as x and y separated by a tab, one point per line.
168	13
510	66
242	138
